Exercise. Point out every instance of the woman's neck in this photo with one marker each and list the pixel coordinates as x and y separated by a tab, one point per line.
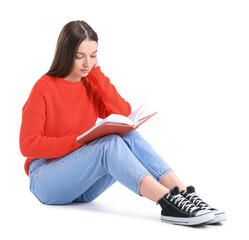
71	78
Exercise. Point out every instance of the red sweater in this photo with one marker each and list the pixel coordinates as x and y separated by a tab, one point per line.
58	111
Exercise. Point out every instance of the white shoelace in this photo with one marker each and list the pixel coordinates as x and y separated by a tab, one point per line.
182	203
193	197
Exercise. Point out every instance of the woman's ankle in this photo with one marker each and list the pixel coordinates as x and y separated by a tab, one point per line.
152	189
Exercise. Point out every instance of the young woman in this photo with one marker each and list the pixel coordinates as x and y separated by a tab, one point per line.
67	101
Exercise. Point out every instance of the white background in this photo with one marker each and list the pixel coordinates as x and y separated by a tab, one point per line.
189	59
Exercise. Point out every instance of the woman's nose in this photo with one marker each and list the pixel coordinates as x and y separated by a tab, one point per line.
86	63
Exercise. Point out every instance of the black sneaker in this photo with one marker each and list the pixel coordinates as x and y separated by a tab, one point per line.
177	209
191	195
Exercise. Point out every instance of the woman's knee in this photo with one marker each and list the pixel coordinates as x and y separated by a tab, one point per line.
131	135
112	139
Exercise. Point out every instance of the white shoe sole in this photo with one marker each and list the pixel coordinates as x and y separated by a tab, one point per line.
206	217
218	218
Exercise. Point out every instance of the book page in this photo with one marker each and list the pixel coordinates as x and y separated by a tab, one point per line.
134	116
144	119
116	118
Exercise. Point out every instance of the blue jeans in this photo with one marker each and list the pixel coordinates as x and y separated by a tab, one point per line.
82	175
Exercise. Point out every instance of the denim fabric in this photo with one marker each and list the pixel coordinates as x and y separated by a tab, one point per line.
82	175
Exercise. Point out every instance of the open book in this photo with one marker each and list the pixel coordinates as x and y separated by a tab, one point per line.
116	124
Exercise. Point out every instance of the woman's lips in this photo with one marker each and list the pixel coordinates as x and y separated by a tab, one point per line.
85	71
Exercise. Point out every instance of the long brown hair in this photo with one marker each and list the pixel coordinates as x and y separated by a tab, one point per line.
71	36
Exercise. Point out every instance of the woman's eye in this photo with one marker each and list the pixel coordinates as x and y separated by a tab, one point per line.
80	57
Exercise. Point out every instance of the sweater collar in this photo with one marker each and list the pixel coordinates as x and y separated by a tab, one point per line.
68	83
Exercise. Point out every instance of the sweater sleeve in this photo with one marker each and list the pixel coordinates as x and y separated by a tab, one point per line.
32	141
108	99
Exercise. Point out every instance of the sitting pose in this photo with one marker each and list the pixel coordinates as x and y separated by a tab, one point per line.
64	103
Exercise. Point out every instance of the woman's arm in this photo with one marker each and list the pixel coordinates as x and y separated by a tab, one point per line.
105	93
32	141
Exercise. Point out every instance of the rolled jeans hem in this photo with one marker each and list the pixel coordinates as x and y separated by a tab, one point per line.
139	181
163	174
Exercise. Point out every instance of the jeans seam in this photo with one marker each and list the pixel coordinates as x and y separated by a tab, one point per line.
133	172
122	162
131	143
157	175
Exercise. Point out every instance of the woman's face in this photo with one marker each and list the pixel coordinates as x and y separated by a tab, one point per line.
86	58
